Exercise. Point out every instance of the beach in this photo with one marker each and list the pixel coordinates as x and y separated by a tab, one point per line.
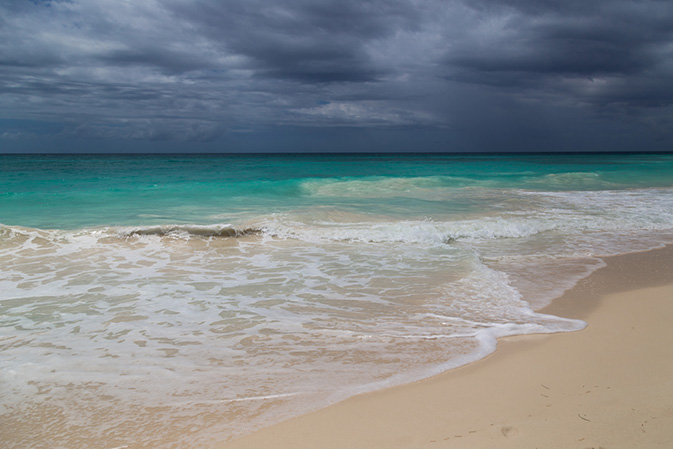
153	301
609	385
336	225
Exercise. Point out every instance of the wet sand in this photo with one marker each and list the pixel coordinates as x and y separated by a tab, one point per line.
608	386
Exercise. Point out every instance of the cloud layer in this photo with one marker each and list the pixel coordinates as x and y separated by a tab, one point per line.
484	74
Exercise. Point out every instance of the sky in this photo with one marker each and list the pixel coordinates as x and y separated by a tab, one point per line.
335	75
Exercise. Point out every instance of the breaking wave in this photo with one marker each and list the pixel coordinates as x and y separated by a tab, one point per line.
214	230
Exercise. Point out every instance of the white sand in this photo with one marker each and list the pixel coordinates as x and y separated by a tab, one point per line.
608	386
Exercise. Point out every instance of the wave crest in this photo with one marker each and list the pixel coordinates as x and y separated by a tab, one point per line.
214	230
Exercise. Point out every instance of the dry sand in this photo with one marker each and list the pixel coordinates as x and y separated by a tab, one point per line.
607	386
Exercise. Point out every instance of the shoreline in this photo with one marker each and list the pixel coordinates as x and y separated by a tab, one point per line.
609	385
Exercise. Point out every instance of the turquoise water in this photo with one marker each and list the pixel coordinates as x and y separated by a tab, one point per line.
158	300
69	192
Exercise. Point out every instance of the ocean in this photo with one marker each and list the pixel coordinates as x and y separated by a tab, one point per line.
184	300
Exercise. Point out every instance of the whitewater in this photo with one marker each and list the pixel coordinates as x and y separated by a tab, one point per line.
184	300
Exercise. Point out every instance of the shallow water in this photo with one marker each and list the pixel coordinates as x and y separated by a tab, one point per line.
178	301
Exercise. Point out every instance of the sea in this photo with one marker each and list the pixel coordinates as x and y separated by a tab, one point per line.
182	300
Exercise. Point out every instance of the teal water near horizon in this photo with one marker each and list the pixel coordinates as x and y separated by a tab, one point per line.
73	191
158	300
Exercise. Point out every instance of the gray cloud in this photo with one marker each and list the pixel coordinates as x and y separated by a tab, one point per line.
160	129
596	52
190	70
307	41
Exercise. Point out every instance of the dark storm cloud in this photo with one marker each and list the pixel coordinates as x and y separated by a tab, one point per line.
159	129
308	41
599	52
192	70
